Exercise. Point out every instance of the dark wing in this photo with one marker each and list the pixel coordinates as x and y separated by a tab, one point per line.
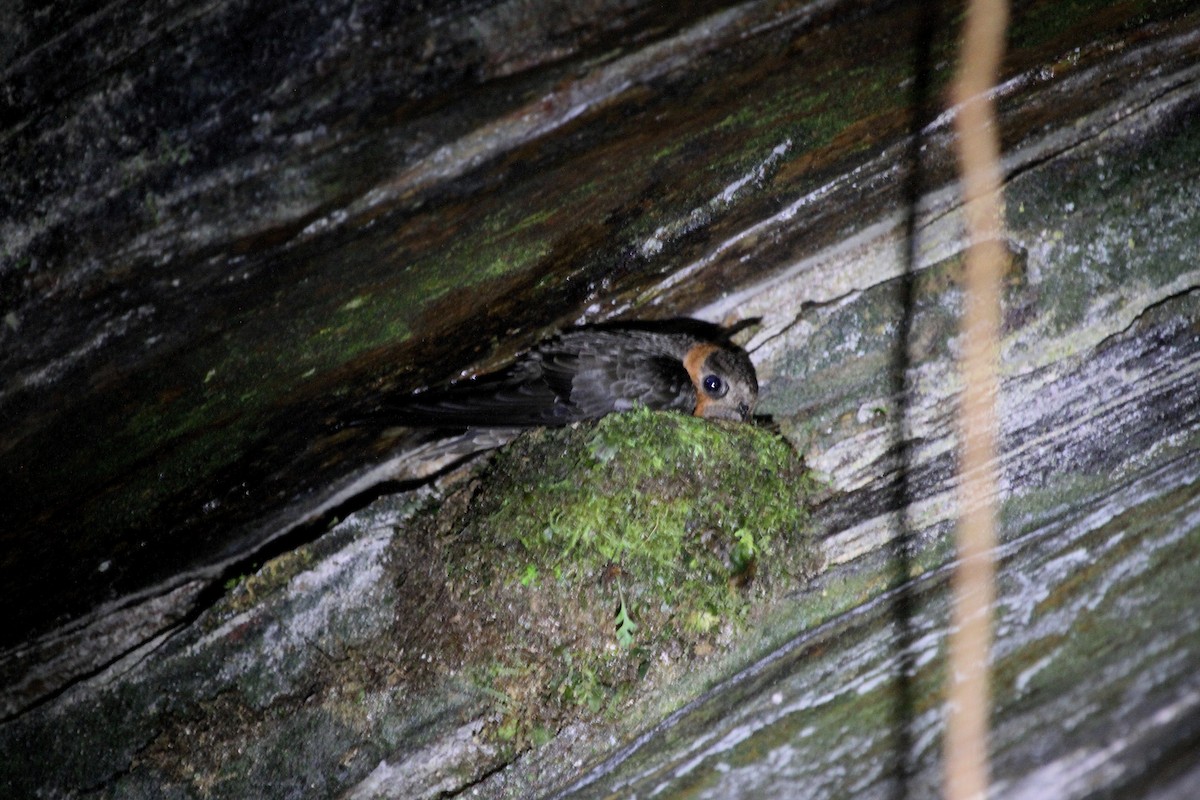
583	374
495	401
604	381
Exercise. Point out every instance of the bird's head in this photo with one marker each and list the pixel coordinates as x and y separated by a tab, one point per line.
725	381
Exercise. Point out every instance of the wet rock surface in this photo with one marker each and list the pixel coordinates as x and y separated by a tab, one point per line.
226	230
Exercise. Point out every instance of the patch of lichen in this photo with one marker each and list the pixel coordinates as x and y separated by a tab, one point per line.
589	560
246	591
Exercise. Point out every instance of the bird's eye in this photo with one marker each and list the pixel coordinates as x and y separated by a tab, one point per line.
715	386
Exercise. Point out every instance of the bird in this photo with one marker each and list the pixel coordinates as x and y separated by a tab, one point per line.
589	372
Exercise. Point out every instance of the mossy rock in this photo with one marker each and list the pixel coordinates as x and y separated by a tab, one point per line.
583	559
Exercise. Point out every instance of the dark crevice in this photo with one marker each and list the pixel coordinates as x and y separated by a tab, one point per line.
467	786
1141	315
805	307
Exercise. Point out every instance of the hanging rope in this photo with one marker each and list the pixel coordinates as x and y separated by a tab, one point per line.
966	735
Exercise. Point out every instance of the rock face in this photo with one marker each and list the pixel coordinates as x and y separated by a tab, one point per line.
228	229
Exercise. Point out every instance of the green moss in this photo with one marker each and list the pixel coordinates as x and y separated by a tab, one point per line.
685	508
603	553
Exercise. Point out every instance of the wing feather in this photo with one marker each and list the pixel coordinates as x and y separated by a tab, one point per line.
579	375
